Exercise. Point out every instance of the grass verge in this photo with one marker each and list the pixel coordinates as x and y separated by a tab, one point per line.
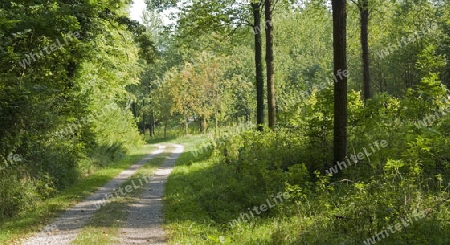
185	221
206	193
14	229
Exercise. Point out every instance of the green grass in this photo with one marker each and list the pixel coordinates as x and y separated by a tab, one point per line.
24	224
185	220
204	194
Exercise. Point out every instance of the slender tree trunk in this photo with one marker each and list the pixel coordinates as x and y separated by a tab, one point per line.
133	109
364	18
205	125
269	63
340	86
165	129
186	125
143	117
217	124
151	123
258	66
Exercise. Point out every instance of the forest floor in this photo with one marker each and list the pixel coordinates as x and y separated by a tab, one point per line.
127	210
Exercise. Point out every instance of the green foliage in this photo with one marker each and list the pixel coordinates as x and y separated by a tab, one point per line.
399	182
68	113
16	195
408	111
63	99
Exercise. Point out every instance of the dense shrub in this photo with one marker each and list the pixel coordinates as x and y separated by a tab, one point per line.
408	178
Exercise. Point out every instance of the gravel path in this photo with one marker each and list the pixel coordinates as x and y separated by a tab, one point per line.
145	216
66	227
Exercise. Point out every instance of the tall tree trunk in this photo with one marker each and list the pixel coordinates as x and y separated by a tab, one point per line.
200	125
151	123
205	125
269	63
364	18
340	86
143	118
258	66
186	125
165	129
217	124
133	109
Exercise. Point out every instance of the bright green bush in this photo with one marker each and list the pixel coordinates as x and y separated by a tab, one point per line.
409	176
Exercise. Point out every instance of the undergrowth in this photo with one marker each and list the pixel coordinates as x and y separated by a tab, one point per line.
394	195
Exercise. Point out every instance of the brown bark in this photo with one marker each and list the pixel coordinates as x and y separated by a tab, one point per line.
258	66
340	86
269	63
165	129
205	125
364	18
151	125
186	125
200	125
143	117
153	122
217	124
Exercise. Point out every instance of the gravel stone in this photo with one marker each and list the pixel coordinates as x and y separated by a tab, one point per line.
145	216
66	227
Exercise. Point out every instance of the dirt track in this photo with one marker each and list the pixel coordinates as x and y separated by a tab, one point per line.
145	217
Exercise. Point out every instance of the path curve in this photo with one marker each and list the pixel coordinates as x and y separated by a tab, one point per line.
145	216
69	224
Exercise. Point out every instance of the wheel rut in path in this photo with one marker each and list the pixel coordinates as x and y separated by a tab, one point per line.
145	217
70	223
